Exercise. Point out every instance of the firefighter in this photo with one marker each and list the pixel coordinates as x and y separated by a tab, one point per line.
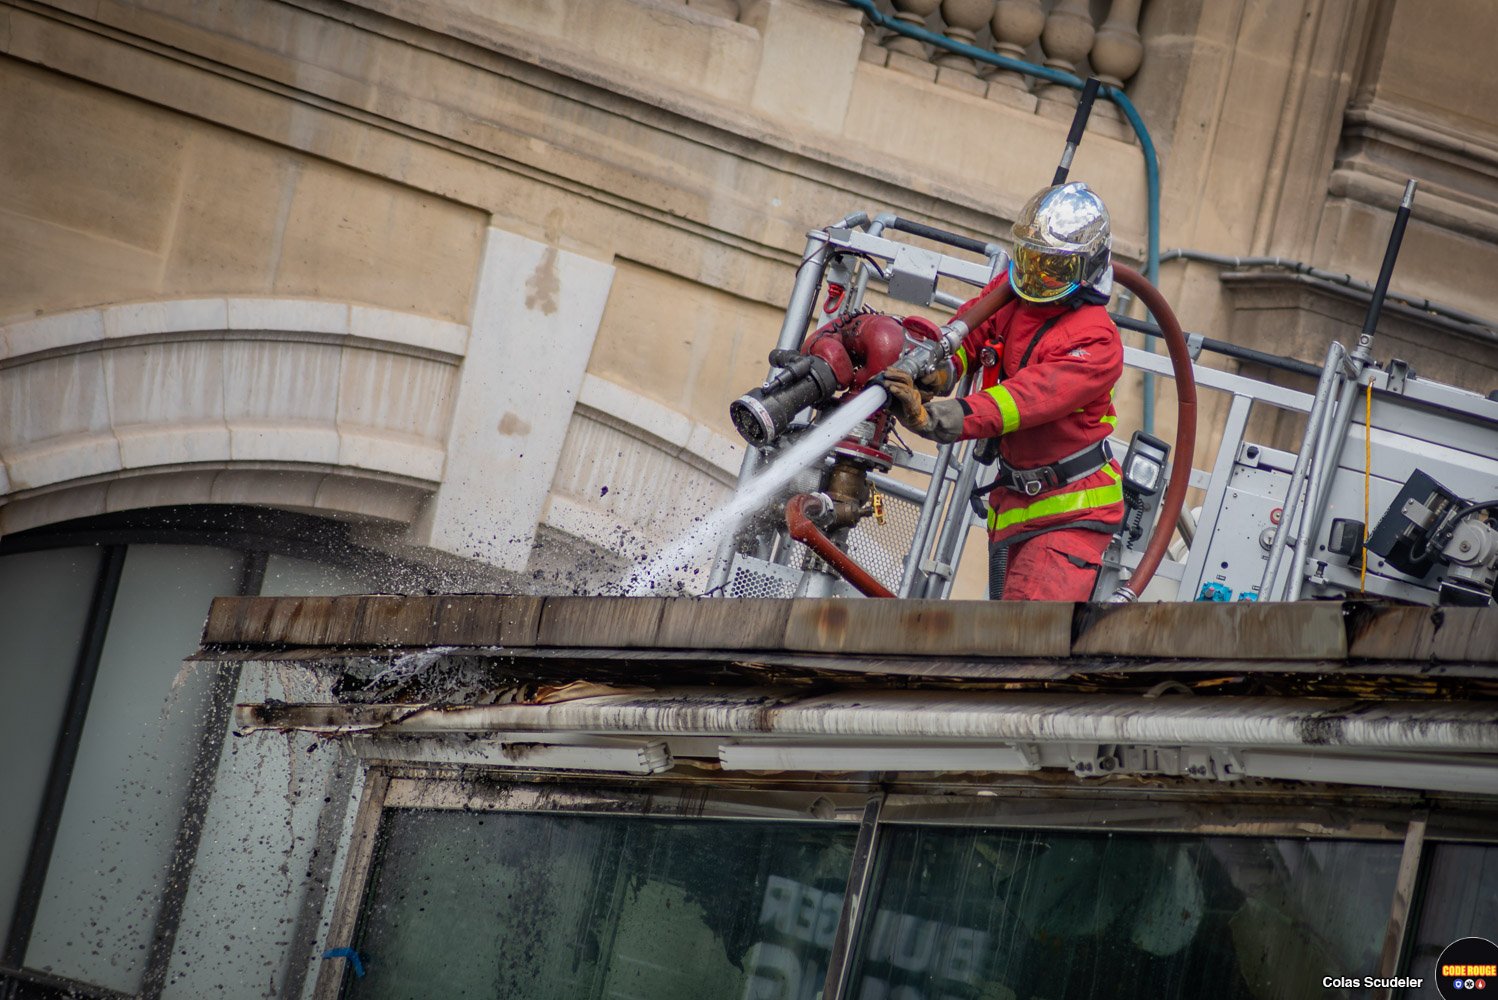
1049	361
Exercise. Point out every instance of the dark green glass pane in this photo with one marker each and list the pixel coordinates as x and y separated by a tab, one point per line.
1035	915
563	907
1459	899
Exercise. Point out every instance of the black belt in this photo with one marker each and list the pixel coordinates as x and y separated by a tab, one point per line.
1032	481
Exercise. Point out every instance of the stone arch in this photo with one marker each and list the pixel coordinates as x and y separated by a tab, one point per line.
324	407
304	404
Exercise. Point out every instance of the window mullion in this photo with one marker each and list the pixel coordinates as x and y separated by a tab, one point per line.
200	788
860	880
64	756
1403	904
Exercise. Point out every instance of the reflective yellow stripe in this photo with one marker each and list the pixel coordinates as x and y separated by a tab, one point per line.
1007	409
1061	503
1111	420
961	357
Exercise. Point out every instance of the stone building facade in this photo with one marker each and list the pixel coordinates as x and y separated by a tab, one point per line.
312	296
373	261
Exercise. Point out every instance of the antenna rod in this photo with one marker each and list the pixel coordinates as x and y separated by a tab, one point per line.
1364	350
1078	123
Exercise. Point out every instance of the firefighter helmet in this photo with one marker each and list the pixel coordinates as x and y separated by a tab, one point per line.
1061	244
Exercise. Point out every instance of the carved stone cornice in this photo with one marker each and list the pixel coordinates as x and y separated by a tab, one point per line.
1383	145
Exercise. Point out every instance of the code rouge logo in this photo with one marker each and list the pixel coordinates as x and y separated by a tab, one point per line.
1468	965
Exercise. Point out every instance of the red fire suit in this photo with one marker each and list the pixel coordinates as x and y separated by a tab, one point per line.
1049	545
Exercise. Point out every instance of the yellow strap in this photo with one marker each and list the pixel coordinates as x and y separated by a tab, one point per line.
1007	408
1367	475
1061	503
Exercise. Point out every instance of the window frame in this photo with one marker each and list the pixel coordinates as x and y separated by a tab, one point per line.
1020	803
254	534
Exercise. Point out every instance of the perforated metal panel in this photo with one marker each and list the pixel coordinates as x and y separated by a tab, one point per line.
881	548
751	577
878	548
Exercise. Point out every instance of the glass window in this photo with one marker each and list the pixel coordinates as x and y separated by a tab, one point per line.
44	604
1459	899
1006	914
286	576
567	907
111	861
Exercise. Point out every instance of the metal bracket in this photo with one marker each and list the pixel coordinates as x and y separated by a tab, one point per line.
934	568
1194	343
1093	760
971	272
912	275
1399	371
1418	514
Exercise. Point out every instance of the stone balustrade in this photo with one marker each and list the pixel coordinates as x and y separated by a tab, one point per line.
1059	34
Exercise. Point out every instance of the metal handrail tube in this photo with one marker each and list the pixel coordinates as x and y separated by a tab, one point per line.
954	524
981	309
875	228
933	501
1320	474
923	523
1330	371
955	517
1320	486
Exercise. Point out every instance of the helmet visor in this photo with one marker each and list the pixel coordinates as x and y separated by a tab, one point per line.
1044	275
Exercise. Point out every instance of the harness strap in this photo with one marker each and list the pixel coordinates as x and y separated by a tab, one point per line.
1047	477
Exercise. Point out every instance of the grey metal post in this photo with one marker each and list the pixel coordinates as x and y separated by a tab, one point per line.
1323	471
875	228
954	526
855	901
955	518
923	523
1318	414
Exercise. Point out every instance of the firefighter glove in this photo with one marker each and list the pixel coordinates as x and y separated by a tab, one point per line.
906	400
940	421
936	383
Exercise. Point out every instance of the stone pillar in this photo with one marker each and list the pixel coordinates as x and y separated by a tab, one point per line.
1016	24
1117	52
535	315
1066	40
965	18
907	54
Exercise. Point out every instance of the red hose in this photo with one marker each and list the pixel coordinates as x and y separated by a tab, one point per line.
804	530
1185	446
985	307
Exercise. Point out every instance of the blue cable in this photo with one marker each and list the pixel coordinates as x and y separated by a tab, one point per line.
1118	97
353	959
